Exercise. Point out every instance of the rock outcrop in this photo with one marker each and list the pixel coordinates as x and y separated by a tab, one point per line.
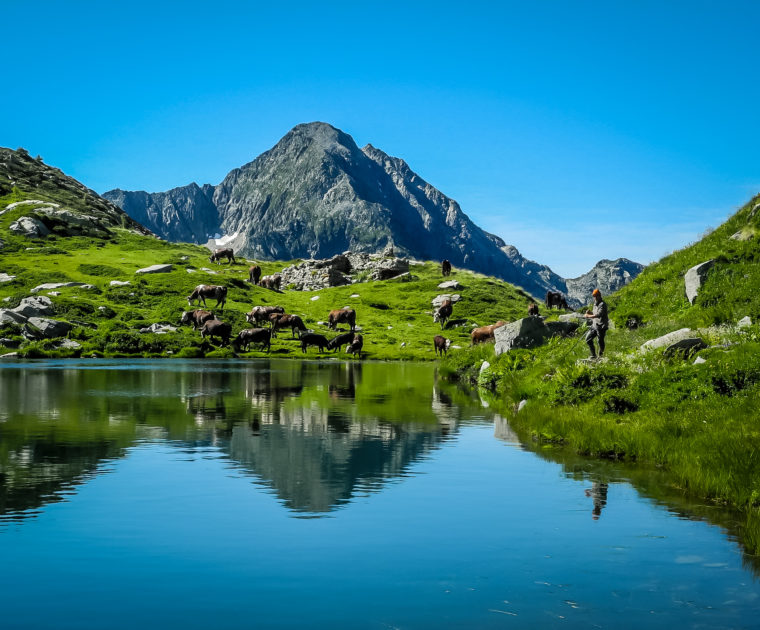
607	275
695	278
669	339
155	269
29	227
529	332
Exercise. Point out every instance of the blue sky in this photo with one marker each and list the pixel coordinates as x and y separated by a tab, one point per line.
574	130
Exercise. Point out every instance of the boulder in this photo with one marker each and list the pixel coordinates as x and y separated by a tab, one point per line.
155	269
744	322
80	221
10	317
700	360
69	344
47	328
742	235
668	340
119	283
36	306
484	366
159	329
57	285
10	355
450	284
561	329
527	332
685	347
29	227
695	278
390	268
4	277
440	299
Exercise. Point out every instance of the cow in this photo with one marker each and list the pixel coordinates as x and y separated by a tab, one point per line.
260	314
555	298
222	253
287	321
197	318
343	315
203	291
248	336
313	339
355	347
441	344
446	268
254	274
485	333
336	343
533	309
215	328
443	313
271	282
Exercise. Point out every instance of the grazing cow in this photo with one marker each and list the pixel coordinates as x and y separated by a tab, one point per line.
287	321
254	274
203	291
443	313
555	298
271	282
485	333
261	313
533	309
248	336
441	344
343	315
222	253
336	343
215	328
313	339
446	268
355	347
197	318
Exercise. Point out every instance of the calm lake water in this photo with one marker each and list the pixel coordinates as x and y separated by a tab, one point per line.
285	494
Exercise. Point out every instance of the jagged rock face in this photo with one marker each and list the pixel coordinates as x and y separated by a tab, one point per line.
186	214
607	275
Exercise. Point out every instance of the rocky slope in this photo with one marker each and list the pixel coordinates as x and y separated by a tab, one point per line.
607	275
316	194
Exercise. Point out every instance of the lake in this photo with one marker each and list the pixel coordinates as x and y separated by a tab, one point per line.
288	494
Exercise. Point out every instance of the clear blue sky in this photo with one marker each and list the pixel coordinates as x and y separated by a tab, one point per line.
574	130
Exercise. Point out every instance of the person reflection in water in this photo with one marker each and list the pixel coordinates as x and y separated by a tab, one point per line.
598	492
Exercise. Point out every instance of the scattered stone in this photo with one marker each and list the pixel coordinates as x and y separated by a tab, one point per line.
695	278
54	293
29	227
159	329
47	328
403	344
11	317
455	347
744	322
190	270
10	355
69	344
59	285
120	283
685	347
700	360
102	308
35	306
390	327
4	277
315	298
742	235
450	284
521	405
184	257
668	340
438	300
484	366
7	299
155	269
355	295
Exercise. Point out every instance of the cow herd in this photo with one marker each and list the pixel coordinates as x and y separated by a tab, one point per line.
268	320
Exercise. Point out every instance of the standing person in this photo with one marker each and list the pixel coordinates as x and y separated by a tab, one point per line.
599	324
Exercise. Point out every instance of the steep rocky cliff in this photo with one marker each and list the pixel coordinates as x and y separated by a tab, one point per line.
607	275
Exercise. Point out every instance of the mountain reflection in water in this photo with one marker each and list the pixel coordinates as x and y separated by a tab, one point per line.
315	433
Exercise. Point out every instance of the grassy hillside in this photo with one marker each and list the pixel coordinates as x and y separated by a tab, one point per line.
107	319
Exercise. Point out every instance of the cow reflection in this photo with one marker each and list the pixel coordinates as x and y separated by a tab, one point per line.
598	492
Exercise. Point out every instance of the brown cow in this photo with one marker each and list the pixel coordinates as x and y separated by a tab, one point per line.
272	282
222	253
203	291
443	313
485	333
254	274
248	336
533	309
441	344
215	328
261	313
287	321
342	315
446	268
197	318
355	347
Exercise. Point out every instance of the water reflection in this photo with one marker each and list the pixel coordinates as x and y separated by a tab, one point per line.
315	433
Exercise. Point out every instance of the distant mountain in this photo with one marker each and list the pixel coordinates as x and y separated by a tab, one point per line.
607	275
316	194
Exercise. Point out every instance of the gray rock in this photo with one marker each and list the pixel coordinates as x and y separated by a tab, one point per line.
521	405
10	355
54	293
561	329
450	284
390	268
355	295
159	329
10	317
29	227
440	299
4	277
685	347
573	317
36	306
30	202
69	344
744	322
700	360
607	275
741	235
695	278
47	328
484	366
523	333
667	340
70	218
58	285
312	276
155	269
315	298
120	283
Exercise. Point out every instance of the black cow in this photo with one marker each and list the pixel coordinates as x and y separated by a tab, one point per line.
555	298
336	343
313	339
